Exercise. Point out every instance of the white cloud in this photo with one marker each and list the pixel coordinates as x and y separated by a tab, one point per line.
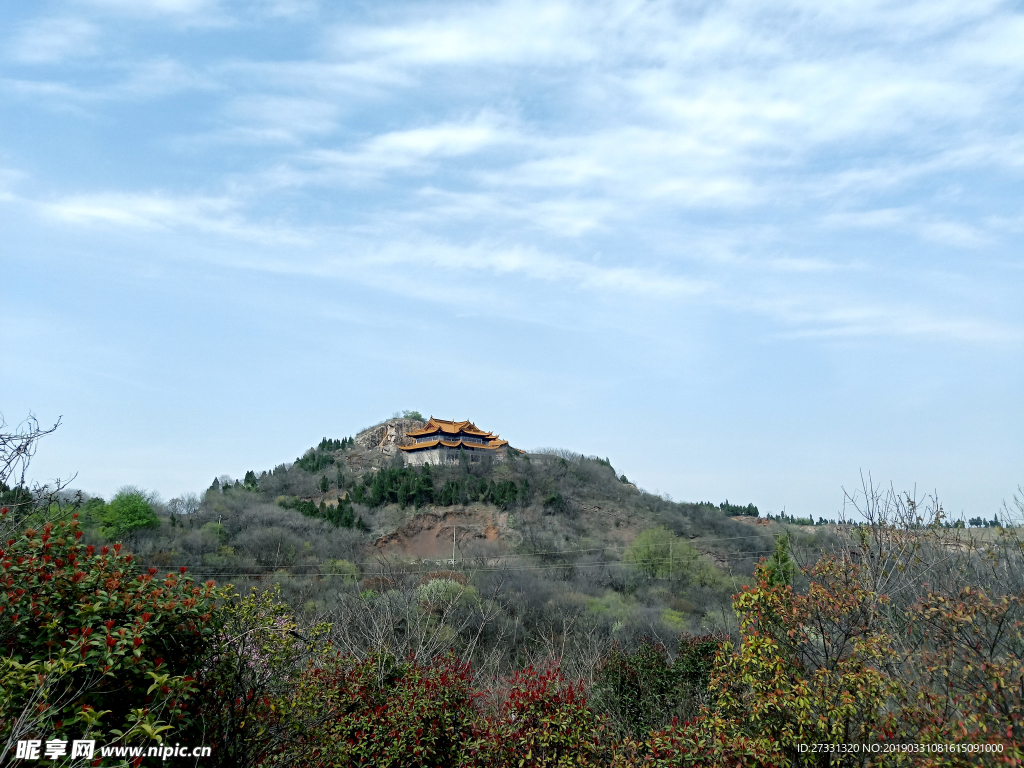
657	134
172	8
159	76
511	32
141	79
953	233
221	216
413	150
905	321
289	8
915	220
182	215
51	40
834	314
500	260
277	119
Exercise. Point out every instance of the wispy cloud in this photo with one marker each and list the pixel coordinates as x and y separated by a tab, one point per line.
201	12
506	33
533	264
277	119
51	40
319	255
181	215
915	220
142	79
902	322
697	150
410	149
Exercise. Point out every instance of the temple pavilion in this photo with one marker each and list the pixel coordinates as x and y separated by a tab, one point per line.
440	442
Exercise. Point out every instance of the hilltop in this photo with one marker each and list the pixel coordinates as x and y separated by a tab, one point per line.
564	531
533	502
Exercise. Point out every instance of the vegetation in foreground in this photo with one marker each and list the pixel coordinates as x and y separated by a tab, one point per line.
905	632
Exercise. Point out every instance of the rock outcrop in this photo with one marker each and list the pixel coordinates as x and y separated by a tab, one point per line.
387	436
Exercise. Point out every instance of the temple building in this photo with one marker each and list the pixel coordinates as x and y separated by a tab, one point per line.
442	442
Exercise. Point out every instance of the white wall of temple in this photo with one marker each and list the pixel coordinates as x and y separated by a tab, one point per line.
438	456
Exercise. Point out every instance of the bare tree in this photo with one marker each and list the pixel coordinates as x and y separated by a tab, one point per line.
410	616
186	504
921	570
21	499
18	447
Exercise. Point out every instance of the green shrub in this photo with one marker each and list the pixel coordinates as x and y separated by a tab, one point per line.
129	510
554	502
402	486
652	550
250	483
346	572
644	690
314	460
260	655
307	508
18	501
216	531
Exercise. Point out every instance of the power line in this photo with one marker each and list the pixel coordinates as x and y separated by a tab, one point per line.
271	569
314	569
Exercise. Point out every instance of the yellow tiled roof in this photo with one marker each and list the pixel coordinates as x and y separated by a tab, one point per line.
444	427
455	442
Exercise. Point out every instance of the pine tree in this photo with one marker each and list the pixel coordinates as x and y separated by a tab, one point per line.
781	567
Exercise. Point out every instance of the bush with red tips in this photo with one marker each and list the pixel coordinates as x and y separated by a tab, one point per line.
127	645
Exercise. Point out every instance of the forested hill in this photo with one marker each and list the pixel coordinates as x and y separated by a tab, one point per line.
557	519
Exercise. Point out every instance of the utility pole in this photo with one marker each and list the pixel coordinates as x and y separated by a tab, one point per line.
453	545
670	560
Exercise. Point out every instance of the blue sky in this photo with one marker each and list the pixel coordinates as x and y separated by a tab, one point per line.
744	250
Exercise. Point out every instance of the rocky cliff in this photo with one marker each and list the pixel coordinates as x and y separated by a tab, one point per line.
387	436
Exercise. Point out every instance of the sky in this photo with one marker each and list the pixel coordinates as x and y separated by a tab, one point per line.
745	251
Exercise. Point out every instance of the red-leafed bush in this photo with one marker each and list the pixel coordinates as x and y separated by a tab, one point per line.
90	645
542	720
967	675
376	712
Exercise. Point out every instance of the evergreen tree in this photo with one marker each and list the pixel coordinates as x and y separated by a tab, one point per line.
781	568
250	483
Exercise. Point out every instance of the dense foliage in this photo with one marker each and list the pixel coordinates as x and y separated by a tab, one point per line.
735	509
129	510
376	711
648	689
93	646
